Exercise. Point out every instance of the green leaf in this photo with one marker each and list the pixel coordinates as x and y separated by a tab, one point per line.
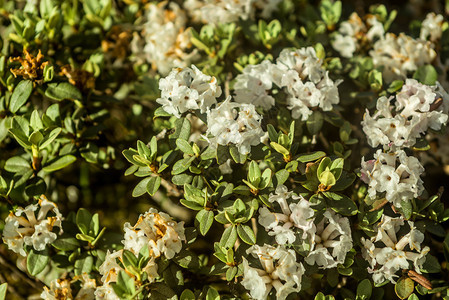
327	178
126	282
204	219
83	219
153	185
3	289
426	75
182	131
254	174
315	122
37	261
35	138
141	187
17	164
62	90
406	208
364	289
342	204
212	294
230	273
182	165
413	297
36	186
50	138
431	265
336	167
279	148
311	156
404	287
246	234
265	178
143	150
236	155
20	95
187	295
229	237
60	163
35	121
84	265
184	146
66	242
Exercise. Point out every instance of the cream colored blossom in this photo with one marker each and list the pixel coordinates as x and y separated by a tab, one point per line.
157	230
279	270
32	226
164	42
397	253
400	55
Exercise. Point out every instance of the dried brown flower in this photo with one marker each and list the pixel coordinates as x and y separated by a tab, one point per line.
32	67
82	79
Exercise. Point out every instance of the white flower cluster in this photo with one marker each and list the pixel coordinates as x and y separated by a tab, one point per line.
279	270
32	226
188	89
417	107
164	42
394	176
396	254
431	27
332	232
254	84
329	240
399	55
154	229
354	32
60	289
294	215
228	122
235	123
227	11
302	75
158	231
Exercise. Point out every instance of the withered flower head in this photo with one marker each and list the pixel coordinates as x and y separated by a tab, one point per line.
32	67
117	42
82	79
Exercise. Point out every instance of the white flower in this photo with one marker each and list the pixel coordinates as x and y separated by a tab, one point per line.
110	267
432	27
158	231
59	289
240	127
267	7
304	61
333	232
219	11
417	107
294	215
394	176
400	55
385	262
105	292
32	226
188	89
164	42
88	288
279	270
307	83
253	84
354	32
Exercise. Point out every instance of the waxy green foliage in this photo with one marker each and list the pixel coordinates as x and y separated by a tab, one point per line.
79	123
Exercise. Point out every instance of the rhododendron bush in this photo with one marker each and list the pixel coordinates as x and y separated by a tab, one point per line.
206	149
